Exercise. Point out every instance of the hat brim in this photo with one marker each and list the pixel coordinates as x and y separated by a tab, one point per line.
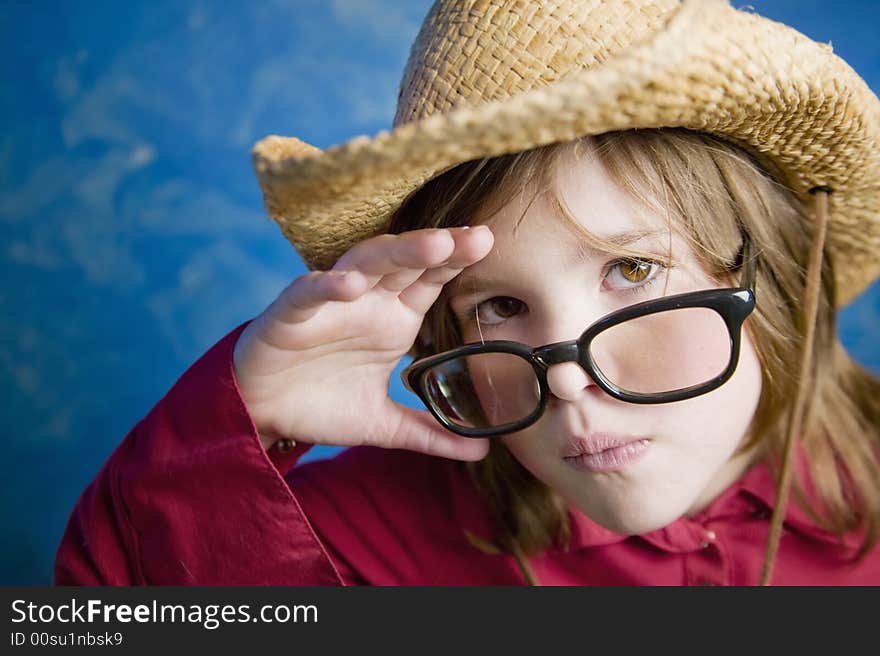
800	109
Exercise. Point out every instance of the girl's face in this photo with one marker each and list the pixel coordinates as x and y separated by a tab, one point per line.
649	464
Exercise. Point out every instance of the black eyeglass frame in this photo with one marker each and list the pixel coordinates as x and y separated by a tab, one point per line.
733	305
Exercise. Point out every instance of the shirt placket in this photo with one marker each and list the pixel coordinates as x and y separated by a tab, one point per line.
710	563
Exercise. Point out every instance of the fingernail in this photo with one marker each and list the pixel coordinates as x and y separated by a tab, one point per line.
465	227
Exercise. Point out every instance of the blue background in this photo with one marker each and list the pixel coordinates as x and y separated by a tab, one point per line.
133	231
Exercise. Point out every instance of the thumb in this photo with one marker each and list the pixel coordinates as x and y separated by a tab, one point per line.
417	430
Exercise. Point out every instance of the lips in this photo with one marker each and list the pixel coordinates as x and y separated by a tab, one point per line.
605	452
596	443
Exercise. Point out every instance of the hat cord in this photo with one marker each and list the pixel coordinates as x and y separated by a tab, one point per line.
811	307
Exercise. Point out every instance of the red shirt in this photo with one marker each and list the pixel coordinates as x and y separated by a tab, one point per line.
191	497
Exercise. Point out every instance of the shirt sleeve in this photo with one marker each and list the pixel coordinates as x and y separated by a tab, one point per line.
190	497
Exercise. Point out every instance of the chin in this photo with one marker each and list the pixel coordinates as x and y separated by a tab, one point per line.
629	519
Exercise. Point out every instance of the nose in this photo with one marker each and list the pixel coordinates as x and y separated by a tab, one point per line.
567	380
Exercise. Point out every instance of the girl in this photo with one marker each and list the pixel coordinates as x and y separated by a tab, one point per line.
600	229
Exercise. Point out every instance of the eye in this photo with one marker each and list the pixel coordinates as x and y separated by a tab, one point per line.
632	273
497	310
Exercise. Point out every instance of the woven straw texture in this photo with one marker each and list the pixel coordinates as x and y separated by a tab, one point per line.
488	77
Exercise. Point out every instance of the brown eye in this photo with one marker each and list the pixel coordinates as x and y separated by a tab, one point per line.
498	309
635	270
632	275
505	306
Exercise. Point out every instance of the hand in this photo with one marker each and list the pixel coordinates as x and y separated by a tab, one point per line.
314	366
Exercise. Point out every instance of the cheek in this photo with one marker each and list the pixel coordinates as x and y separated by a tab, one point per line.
720	419
747	386
528	447
744	387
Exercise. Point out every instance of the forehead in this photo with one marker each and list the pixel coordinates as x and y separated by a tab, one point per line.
575	206
580	214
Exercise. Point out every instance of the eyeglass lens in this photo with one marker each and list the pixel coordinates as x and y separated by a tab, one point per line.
652	354
484	389
663	352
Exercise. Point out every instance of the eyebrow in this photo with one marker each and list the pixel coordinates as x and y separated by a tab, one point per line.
467	285
617	242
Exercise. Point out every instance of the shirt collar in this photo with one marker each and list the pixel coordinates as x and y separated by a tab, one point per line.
752	496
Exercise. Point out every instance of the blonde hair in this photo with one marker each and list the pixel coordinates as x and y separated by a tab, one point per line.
714	193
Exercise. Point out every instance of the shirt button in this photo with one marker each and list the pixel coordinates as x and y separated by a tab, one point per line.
708	539
285	446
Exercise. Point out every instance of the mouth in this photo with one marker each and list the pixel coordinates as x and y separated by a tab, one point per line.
605	452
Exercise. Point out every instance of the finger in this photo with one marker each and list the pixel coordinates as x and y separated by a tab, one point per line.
418	431
397	282
389	254
462	256
307	294
424	291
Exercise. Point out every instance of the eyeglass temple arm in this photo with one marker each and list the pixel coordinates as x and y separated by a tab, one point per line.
749	264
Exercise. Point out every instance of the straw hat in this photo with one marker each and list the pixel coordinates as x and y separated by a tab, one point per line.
488	77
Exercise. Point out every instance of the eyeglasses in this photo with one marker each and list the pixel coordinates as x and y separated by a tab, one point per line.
659	351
